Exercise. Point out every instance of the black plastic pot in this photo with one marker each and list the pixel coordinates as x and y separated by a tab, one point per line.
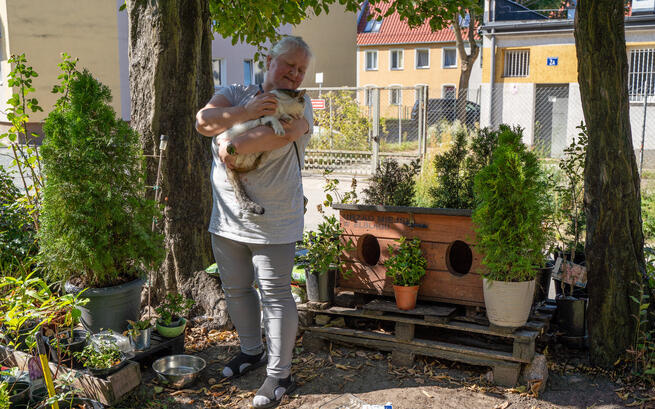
63	350
110	307
19	392
19	337
320	287
571	315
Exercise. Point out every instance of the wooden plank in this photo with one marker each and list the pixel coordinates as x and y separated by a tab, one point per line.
422	344
523	350
389	344
437	285
107	391
404	331
392	225
422	310
403	209
435	254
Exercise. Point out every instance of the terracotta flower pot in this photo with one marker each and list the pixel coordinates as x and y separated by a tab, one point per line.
405	296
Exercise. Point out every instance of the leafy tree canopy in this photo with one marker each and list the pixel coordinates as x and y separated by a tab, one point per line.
257	21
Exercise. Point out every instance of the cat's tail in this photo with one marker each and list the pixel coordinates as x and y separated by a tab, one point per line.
245	202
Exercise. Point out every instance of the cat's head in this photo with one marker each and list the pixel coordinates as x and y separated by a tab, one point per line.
299	95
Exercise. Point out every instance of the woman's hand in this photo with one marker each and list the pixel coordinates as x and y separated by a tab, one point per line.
261	105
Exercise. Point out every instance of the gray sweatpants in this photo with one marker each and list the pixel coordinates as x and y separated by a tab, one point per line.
269	265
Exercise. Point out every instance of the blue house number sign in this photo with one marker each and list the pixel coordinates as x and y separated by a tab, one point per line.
552	61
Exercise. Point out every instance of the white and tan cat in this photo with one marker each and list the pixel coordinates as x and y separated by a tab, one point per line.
290	105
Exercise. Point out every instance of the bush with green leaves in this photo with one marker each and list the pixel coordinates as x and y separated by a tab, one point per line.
648	214
4	396
406	264
511	208
349	127
392	184
104	355
95	220
456	168
174	307
324	247
17	230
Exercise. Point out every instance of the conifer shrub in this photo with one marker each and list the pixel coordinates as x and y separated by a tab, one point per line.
511	207
95	219
392	184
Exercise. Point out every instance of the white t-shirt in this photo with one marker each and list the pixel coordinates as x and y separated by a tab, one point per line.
276	185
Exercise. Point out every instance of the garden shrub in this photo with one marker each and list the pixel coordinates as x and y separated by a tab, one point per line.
17	233
392	184
648	215
95	219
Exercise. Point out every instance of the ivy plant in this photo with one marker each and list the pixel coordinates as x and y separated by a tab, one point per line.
511	208
406	264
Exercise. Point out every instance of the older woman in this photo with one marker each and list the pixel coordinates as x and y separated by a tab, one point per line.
253	248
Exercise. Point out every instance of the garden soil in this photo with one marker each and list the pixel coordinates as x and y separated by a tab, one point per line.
349	374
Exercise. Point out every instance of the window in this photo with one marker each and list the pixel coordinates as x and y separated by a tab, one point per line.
259	73
218	68
448	91
517	63
247	72
423	58
395	96
371	60
641	74
396	57
449	58
373	26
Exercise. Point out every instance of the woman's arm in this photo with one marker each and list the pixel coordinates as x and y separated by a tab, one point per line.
262	139
219	115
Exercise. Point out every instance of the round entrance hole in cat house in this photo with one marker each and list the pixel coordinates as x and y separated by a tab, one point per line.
447	241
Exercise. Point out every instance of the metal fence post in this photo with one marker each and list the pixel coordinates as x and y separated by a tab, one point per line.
375	137
424	117
331	134
643	129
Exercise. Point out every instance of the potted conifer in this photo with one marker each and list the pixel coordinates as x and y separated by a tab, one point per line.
95	220
406	267
510	211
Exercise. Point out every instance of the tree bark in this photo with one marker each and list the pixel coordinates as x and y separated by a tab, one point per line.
614	241
170	80
467	60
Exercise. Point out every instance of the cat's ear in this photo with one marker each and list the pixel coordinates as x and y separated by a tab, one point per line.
301	95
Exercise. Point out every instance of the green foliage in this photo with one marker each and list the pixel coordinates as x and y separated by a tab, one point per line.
136	327
643	350
511	195
406	264
27	303
17	230
96	222
331	190
24	149
4	395
392	184
104	355
648	215
456	168
568	192
174	307
349	127
324	246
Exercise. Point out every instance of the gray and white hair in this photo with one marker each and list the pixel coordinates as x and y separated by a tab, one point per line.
288	43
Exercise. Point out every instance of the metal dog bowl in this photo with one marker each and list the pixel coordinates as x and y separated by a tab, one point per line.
178	371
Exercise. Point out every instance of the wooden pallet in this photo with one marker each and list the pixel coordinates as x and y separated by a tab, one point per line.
160	346
452	335
108	391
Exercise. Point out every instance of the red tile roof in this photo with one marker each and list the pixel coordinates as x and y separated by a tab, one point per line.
395	31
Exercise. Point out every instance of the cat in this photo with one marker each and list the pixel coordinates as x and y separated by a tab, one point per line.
290	105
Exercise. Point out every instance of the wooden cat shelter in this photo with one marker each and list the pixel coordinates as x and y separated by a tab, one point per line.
447	241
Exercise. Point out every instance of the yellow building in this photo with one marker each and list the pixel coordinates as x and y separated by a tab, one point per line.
530	66
391	54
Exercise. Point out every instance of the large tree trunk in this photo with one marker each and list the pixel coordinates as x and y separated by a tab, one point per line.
170	79
467	60
614	242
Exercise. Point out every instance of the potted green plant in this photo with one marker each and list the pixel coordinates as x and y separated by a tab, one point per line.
139	333
171	322
95	219
101	359
321	259
14	392
406	267
508	217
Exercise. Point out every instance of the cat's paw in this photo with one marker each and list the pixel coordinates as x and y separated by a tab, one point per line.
277	127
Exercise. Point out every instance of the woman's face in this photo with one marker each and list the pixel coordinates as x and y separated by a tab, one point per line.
286	71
